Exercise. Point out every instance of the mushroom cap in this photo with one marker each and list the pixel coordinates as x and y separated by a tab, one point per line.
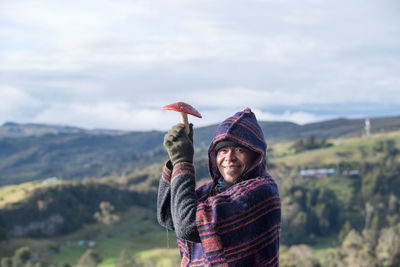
183	107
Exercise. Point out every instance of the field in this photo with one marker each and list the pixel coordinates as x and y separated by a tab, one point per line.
137	233
350	149
15	193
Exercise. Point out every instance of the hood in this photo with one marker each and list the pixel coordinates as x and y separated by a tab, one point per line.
244	129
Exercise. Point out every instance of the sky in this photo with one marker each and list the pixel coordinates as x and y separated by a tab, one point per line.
113	64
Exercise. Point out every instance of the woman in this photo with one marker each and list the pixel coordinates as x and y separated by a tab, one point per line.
232	220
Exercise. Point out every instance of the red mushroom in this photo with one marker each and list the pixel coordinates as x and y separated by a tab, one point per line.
184	109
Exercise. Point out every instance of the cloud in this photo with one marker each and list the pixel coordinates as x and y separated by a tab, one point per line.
108	115
16	104
101	63
297	117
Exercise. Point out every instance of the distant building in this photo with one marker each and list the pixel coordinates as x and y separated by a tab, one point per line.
320	173
324	172
367	128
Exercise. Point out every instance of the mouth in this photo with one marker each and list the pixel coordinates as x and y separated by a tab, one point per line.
232	167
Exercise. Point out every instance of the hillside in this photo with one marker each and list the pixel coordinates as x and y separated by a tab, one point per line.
358	203
34	151
281	131
77	155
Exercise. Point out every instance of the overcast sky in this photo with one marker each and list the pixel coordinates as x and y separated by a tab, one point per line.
114	63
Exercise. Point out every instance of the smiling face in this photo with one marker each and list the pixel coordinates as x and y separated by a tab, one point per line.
232	162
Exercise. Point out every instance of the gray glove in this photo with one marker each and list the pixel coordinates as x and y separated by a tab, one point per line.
179	145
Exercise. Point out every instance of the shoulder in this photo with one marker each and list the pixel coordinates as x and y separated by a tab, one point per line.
260	186
249	192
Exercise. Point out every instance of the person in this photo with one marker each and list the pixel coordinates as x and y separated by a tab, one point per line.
233	219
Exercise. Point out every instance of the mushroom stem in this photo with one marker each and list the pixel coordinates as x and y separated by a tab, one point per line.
186	122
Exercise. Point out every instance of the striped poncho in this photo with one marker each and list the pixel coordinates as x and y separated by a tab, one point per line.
237	227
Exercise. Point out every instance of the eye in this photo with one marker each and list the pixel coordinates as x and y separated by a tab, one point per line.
223	151
242	150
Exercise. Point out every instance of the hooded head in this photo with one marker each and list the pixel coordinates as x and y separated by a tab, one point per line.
242	129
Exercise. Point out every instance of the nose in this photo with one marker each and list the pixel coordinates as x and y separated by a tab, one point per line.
231	156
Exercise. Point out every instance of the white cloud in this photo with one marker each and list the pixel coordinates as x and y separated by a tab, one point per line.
108	115
297	117
274	97
16	104
102	63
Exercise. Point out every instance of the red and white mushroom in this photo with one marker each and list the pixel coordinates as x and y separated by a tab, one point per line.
184	109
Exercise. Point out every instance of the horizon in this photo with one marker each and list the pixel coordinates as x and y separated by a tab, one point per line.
12	123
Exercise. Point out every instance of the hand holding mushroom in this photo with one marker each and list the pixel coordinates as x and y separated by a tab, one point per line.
179	145
179	140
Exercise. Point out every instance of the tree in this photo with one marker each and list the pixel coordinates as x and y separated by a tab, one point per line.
6	262
105	216
370	183
124	260
3	233
344	231
300	255
309	143
90	259
21	256
298	146
357	252
326	211
298	228
388	248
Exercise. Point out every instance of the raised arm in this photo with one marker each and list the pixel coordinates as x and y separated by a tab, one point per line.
181	190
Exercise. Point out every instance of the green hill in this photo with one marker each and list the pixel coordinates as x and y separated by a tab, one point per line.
32	151
71	156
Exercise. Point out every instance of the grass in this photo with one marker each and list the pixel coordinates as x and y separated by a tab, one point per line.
324	244
15	193
139	242
157	257
343	187
144	234
140	236
343	149
36	244
160	257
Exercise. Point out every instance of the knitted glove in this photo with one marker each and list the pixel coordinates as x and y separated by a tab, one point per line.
178	144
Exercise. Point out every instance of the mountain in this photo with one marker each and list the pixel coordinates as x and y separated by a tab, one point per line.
282	131
12	130
34	151
286	131
76	155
